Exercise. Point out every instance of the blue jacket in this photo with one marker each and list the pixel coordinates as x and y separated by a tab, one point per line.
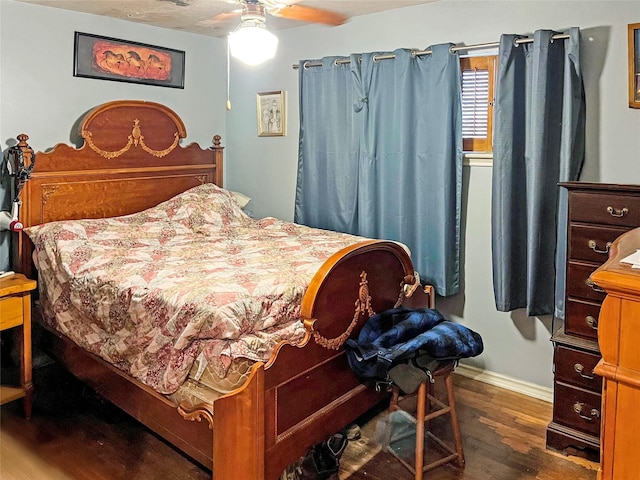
398	334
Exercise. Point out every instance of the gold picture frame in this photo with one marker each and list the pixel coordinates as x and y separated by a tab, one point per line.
271	114
634	65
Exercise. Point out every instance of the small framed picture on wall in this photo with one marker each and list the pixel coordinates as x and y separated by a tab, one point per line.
271	114
634	65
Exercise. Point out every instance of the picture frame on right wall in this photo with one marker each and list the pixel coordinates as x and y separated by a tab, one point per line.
634	65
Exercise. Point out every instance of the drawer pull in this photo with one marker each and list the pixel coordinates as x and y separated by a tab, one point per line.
592	322
579	406
617	213
593	286
580	369
594	246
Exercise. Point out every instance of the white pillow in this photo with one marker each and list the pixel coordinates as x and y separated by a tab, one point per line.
241	199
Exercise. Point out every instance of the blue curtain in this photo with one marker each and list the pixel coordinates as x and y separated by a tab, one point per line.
381	154
327	189
539	135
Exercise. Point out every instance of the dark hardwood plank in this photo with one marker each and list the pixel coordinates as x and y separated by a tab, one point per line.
503	435
75	435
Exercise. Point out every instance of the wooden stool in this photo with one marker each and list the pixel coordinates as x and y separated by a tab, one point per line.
425	401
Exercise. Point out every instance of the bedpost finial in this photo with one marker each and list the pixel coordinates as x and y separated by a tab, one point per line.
22	140
216	140
27	151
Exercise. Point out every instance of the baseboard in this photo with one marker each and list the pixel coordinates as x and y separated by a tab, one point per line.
508	383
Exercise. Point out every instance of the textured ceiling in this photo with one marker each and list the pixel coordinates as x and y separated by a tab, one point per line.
196	16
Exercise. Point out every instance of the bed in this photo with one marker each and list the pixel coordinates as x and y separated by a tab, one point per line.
131	162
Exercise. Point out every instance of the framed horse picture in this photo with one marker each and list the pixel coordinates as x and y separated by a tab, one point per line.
124	61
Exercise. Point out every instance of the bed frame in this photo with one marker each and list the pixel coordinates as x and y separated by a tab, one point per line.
132	159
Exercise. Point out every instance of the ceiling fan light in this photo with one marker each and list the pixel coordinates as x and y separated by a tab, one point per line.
252	43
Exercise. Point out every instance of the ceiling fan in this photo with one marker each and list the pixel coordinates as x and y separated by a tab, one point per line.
290	10
251	42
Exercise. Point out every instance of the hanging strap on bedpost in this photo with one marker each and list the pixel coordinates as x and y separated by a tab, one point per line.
363	306
408	286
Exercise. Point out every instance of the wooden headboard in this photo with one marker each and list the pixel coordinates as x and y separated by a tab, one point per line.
131	160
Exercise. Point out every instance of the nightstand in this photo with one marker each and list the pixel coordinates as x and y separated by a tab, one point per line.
15	311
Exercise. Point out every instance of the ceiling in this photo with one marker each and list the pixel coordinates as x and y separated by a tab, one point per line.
196	16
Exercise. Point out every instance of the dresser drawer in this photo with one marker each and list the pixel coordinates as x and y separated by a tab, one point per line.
579	285
581	319
577	408
11	308
575	367
591	243
608	209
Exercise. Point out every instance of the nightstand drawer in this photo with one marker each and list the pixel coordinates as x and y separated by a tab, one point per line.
577	408
575	367
591	243
620	210
11	310
582	319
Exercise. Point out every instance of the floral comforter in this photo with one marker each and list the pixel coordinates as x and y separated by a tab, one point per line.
149	292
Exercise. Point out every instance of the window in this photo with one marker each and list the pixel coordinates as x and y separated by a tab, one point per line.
477	102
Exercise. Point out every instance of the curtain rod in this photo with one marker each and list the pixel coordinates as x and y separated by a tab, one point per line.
417	53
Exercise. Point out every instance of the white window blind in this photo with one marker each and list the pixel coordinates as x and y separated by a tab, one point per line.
475	103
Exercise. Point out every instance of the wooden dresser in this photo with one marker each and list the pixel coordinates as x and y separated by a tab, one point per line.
598	214
619	338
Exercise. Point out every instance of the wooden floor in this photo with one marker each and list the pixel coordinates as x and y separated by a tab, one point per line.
73	434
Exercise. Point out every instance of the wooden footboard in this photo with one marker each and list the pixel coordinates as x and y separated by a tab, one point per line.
307	393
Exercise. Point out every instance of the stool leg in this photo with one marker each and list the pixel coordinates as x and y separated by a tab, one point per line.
393	403
454	420
420	414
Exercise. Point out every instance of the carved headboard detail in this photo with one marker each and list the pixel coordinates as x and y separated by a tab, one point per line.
144	115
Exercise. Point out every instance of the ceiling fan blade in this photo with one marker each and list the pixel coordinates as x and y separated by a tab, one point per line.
308	14
222	18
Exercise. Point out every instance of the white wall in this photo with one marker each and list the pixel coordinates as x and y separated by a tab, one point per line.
265	168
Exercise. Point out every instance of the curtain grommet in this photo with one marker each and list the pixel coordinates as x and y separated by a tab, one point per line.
376	59
335	63
306	66
451	50
414	54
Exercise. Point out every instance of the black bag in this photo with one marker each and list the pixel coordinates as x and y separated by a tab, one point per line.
322	462
411	342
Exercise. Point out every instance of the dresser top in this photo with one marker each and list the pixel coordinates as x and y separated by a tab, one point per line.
609	187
